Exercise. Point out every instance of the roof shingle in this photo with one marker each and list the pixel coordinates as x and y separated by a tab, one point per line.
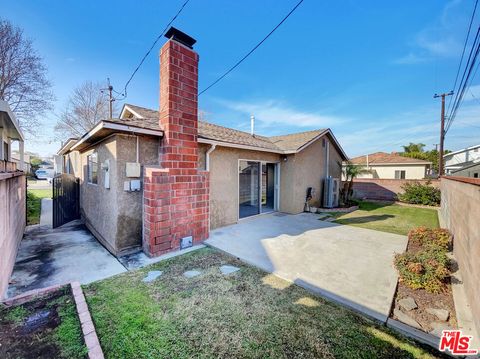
149	119
385	158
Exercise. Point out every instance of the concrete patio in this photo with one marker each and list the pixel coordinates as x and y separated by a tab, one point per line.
58	256
350	265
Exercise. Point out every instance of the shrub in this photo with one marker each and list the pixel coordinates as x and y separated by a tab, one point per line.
426	269
427	237
418	193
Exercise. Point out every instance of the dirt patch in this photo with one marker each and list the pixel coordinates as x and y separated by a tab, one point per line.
29	330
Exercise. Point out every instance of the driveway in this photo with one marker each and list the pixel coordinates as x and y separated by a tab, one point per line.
347	264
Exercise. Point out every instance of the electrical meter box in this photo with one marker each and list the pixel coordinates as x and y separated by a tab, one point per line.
132	169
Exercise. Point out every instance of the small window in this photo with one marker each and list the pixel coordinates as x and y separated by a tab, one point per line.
399	174
92	168
475	175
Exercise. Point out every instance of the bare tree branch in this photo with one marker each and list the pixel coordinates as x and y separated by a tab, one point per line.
23	78
85	108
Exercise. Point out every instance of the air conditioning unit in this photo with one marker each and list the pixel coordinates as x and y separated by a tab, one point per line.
331	192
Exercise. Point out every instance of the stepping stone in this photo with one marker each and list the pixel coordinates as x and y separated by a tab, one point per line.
330	219
191	273
323	216
438	327
152	275
405	318
407	303
441	314
228	269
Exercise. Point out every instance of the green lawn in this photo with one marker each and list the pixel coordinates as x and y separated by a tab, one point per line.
393	218
34	199
248	314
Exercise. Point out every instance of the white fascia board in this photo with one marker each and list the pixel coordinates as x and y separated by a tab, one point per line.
116	127
234	145
126	107
4	107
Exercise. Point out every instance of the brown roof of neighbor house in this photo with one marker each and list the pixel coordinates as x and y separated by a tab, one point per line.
287	143
386	158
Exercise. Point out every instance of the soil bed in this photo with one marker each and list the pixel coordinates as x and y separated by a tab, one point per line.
45	327
425	300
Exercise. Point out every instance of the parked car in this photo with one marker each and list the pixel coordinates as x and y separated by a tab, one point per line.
45	174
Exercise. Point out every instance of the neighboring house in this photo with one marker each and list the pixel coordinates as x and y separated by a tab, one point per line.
26	160
12	194
163	179
465	162
10	131
384	165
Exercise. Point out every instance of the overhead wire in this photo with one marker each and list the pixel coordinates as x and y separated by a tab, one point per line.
252	50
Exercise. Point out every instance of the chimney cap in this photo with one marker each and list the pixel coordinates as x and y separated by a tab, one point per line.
180	37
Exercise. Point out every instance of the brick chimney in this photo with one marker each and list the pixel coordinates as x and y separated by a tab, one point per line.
176	195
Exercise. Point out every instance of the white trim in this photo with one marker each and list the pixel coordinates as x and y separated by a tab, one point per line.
234	145
460	151
134	113
207	157
117	127
4	107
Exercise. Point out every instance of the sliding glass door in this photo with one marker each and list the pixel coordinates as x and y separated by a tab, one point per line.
257	188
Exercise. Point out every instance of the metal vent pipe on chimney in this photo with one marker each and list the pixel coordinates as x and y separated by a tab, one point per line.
252	125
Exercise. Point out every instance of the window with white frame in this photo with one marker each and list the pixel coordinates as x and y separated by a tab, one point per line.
400	174
92	168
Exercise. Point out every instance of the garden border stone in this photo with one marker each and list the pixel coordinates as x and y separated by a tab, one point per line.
88	329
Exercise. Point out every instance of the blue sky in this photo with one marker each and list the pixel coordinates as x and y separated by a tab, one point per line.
366	69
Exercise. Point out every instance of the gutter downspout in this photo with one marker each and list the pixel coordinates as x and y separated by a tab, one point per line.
207	157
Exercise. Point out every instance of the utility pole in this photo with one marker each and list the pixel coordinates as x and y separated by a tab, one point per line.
442	131
110	97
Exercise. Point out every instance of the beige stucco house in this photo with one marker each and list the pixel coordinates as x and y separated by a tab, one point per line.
382	165
154	179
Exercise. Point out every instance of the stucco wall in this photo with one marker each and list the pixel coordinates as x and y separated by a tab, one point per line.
383	189
129	225
113	215
12	223
224	182
299	171
307	169
98	205
388	171
461	213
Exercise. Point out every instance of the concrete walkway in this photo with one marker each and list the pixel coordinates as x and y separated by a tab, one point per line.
353	266
58	256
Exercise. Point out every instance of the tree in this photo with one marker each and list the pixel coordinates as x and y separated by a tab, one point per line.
87	105
350	172
414	147
415	150
23	78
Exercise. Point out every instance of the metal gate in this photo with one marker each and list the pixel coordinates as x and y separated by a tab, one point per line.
66	204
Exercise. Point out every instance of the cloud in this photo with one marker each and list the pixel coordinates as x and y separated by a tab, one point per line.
410	59
440	39
271	113
70	59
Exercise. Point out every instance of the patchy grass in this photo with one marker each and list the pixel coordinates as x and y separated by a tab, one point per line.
393	218
34	202
45	327
248	314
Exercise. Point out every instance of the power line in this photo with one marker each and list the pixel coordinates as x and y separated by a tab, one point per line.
152	47
463	51
252	50
464	83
